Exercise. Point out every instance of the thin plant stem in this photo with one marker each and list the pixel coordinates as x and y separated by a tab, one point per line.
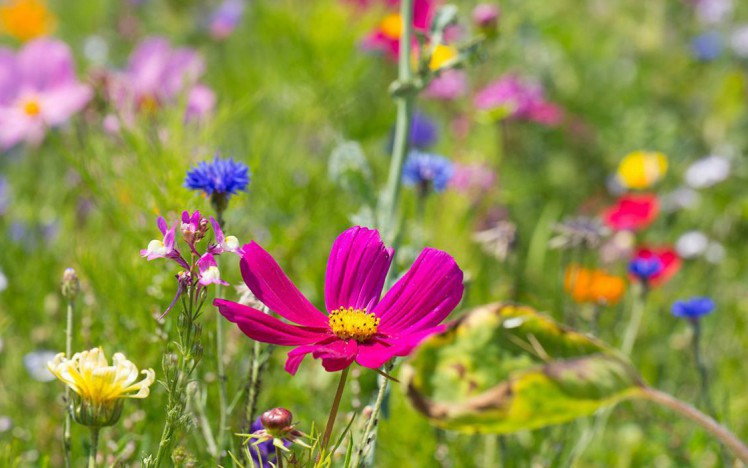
199	410
334	410
278	457
253	386
94	446
365	442
404	102
701	368
637	313
737	447
66	437
221	377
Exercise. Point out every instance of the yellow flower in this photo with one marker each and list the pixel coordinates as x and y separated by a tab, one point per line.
641	169
26	19
442	54
100	387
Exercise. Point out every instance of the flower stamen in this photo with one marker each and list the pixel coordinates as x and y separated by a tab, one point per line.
353	323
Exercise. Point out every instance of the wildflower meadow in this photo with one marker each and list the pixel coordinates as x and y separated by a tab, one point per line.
373	233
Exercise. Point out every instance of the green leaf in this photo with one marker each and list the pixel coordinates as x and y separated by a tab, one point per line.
445	16
504	368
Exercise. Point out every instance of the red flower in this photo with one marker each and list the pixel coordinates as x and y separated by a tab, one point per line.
632	212
667	257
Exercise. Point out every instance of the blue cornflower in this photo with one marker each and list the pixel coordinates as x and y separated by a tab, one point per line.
423	132
707	46
220	177
427	170
693	308
645	268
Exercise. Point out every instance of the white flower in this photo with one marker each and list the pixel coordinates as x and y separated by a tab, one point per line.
707	172
692	244
739	40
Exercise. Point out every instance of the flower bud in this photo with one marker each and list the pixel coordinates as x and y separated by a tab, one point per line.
95	414
486	18
277	421
70	285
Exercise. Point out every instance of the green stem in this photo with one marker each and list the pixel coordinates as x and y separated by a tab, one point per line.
365	442
737	447
701	367
637	313
404	101
66	437
334	410
221	375
94	446
278	457
253	386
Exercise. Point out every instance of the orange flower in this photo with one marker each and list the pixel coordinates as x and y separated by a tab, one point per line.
26	19
593	286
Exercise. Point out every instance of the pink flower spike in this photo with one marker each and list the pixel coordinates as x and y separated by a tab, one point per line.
358	327
209	273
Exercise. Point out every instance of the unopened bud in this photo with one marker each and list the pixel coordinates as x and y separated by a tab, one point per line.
276	421
486	17
70	285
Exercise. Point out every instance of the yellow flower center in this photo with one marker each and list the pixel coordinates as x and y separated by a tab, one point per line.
31	108
26	19
353	323
148	104
441	55
392	26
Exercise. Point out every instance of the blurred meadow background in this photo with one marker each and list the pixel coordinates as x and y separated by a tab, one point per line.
296	93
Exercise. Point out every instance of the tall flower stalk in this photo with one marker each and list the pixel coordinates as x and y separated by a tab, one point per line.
70	288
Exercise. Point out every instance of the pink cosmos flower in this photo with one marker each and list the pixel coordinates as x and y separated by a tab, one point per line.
386	37
632	212
158	75
357	326
472	178
522	100
38	90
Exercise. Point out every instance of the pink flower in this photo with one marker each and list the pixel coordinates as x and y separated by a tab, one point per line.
223	243
165	247
632	212
520	99
357	326
209	273
225	19
38	90
158	75
472	178
448	86
666	257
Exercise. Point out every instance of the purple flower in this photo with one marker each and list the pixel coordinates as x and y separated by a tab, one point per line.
158	75
221	176
645	268
486	15
223	243
519	99
707	46
358	326
209	273
225	19
165	247
448	86
38	90
423	131
427	170
694	308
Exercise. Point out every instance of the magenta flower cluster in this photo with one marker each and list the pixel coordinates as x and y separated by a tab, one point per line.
201	270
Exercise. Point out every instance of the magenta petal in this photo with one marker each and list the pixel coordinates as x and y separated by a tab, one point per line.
296	355
375	353
337	355
356	270
422	298
262	327
266	280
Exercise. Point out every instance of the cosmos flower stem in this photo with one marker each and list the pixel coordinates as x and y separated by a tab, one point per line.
737	447
94	446
334	411
405	101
